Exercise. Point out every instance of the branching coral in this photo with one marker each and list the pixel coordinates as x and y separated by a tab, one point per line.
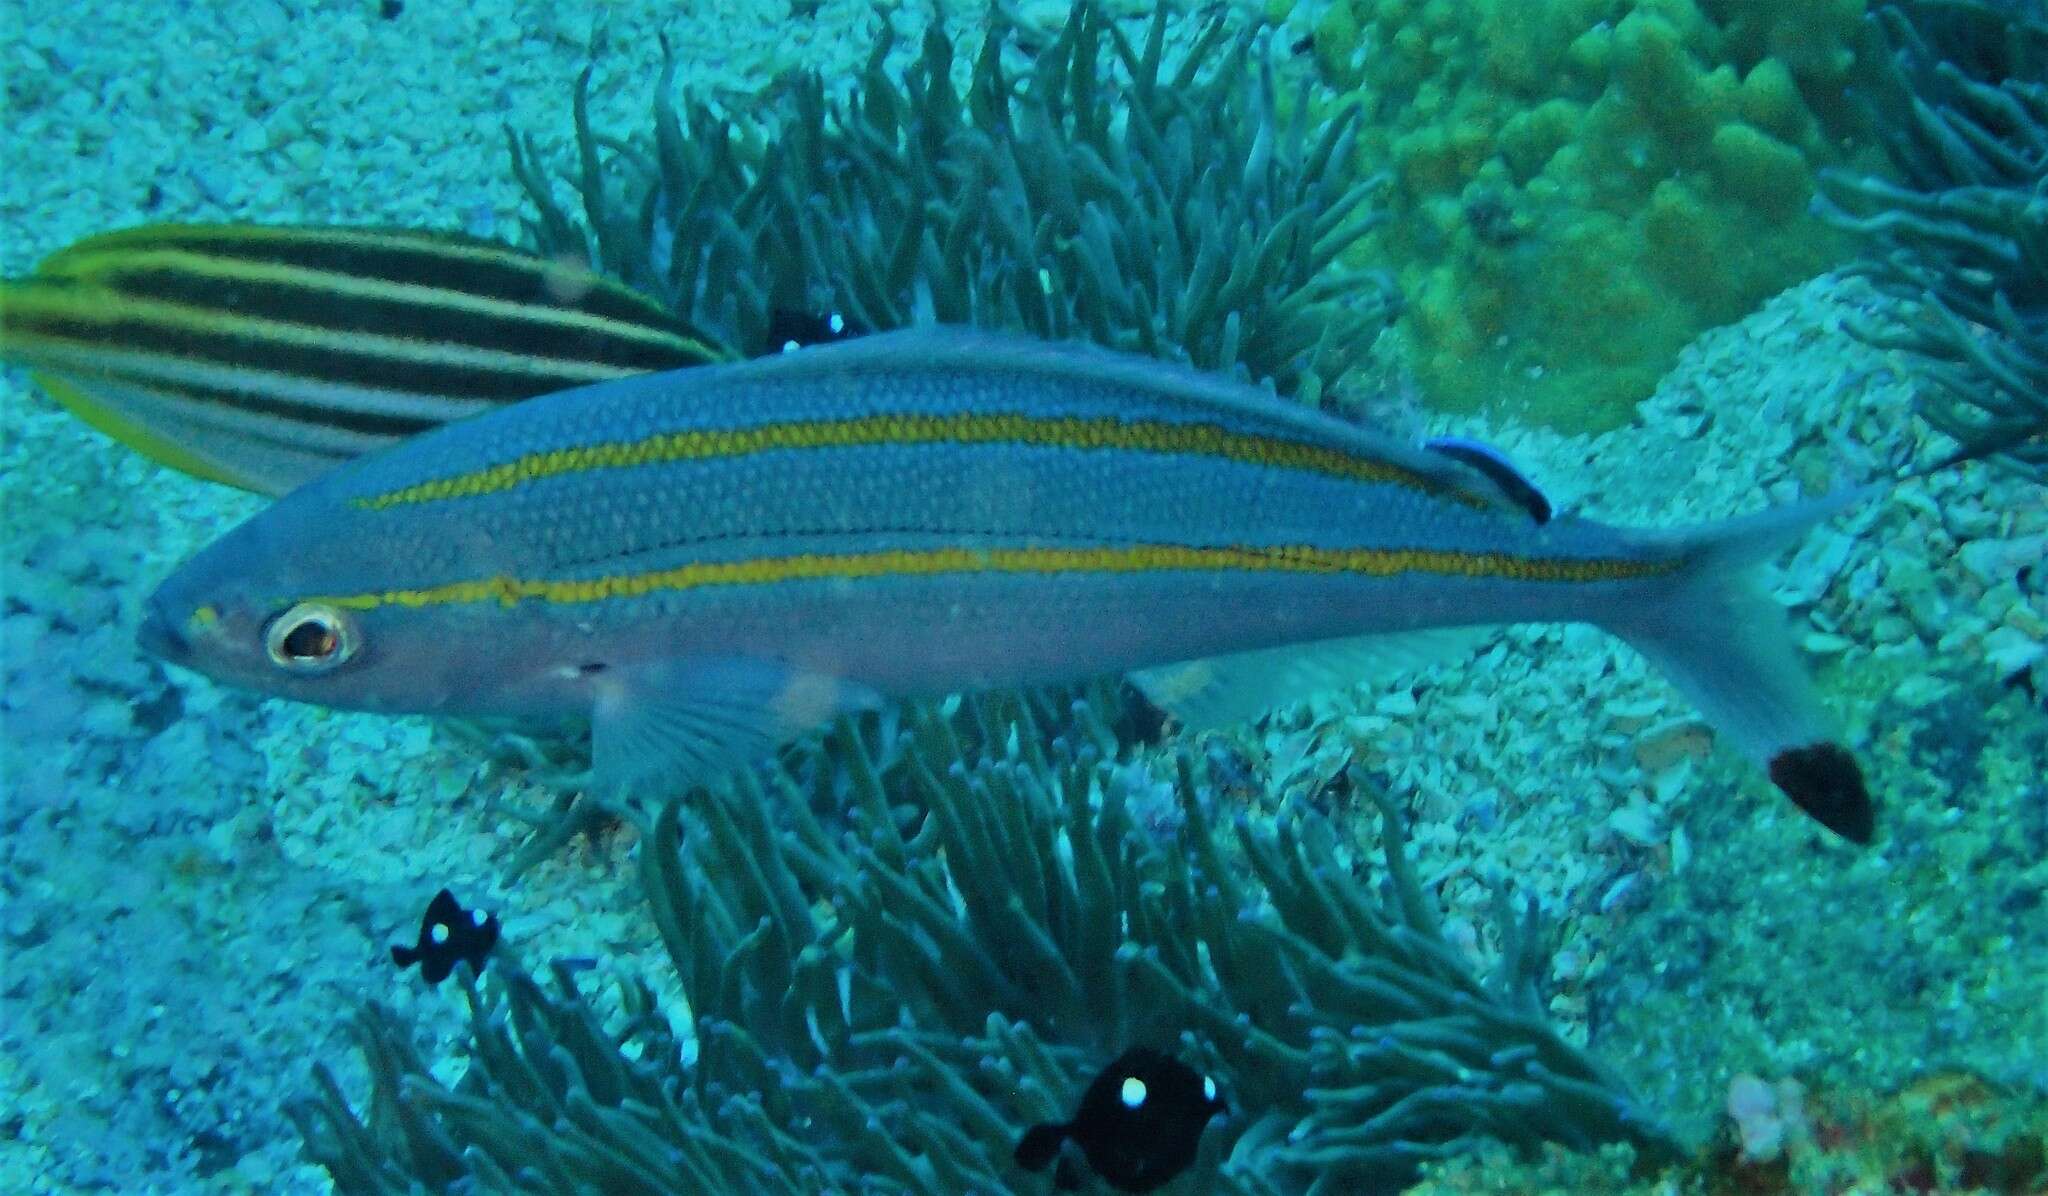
883	1007
1966	235
1102	193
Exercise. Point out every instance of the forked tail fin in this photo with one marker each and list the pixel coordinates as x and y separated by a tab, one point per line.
1724	644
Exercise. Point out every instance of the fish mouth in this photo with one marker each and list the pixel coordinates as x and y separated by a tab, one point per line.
159	635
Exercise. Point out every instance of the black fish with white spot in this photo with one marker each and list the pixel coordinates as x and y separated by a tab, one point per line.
449	933
790	329
1139	1124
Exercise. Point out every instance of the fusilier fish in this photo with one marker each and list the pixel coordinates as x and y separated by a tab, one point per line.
706	562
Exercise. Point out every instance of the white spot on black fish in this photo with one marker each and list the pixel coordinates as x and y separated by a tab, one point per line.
1139	1125
790	330
449	933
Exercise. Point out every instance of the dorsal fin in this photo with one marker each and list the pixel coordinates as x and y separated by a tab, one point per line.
1498	470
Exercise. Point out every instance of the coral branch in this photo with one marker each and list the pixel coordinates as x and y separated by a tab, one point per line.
916	988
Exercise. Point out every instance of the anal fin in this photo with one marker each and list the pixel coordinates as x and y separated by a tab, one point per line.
1221	690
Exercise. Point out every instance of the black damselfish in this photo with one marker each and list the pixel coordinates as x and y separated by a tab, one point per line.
1139	1124
449	933
790	329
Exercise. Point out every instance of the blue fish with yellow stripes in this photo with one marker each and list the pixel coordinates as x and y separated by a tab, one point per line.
706	562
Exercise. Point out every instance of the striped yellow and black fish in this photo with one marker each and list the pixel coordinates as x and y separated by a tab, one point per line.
263	356
704	562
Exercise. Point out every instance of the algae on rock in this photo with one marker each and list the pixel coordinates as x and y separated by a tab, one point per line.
1581	187
901	949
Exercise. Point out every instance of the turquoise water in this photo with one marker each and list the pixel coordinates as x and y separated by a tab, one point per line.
199	886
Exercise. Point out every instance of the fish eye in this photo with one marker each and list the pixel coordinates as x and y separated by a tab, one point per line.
311	638
1133	1093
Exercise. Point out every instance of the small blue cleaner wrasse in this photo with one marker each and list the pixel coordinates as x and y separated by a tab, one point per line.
706	562
263	356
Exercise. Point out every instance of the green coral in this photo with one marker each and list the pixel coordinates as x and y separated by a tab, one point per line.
1583	186
1110	192
901	949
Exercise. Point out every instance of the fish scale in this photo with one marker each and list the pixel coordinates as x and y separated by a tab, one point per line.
705	562
1069	486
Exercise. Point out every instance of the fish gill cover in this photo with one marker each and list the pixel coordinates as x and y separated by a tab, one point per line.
903	947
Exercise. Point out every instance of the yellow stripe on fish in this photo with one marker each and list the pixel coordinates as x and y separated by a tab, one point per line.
1144	558
132	270
84	318
457	264
931	510
263	356
1155	436
292	240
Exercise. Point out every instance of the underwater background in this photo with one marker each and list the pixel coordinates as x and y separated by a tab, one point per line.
1597	249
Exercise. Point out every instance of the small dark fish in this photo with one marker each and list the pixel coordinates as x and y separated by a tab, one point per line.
790	330
449	933
1139	1124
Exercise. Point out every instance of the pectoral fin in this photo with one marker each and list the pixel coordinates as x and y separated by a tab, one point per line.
663	726
1222	690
